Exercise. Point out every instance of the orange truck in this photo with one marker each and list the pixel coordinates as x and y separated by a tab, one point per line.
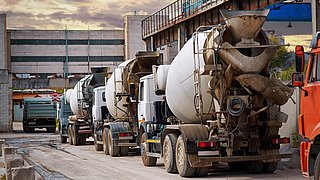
309	116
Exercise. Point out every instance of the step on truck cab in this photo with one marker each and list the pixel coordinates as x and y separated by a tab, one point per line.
309	116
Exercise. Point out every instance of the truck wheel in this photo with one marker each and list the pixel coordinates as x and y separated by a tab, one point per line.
70	137
63	139
26	130
270	167
254	167
124	151
82	139
51	130
113	148
182	160
202	171
75	136
236	166
97	147
169	157
317	167
105	141
147	160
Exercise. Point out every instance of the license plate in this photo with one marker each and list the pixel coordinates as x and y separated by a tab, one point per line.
32	123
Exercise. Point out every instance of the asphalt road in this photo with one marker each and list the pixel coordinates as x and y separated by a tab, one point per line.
53	160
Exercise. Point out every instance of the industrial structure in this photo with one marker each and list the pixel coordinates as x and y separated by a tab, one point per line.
57	59
64	52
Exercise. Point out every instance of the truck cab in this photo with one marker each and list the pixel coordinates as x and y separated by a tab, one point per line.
309	116
147	99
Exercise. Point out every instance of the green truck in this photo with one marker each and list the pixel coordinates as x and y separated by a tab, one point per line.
39	113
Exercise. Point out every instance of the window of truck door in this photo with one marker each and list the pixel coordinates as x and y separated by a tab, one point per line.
313	69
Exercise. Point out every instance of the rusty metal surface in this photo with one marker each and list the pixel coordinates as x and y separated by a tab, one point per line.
254	64
270	88
192	132
239	21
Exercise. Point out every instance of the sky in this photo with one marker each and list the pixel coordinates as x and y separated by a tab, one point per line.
75	14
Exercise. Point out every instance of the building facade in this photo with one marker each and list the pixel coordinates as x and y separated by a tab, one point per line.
64	52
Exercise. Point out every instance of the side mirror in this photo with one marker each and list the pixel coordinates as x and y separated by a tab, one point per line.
299	52
297	79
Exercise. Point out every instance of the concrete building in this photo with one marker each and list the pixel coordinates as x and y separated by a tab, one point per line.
133	36
64	52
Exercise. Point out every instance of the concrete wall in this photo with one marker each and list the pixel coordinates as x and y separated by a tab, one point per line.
132	34
18	113
5	101
3	42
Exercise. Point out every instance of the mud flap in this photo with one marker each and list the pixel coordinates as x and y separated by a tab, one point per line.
195	161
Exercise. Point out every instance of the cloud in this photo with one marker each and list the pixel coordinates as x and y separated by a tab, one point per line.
76	14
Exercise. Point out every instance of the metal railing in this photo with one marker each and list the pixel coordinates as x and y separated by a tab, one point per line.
174	13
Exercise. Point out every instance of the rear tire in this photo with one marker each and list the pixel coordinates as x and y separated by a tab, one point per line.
270	167
147	160
75	136
97	147
105	141
63	139
70	137
202	171
26	130
236	166
254	167
113	149
82	139
124	151
51	130
169	153
317	167
182	160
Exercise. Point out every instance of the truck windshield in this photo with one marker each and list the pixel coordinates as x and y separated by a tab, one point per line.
314	69
312	74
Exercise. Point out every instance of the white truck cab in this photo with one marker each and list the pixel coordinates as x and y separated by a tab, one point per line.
147	97
99	103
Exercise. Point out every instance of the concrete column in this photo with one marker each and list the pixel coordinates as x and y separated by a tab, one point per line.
182	33
2	173
7	153
3	41
13	163
315	6
2	143
23	173
133	35
5	100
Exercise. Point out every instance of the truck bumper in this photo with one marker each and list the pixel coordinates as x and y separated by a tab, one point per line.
200	161
127	144
245	158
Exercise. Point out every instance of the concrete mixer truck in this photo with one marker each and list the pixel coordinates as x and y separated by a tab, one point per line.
88	105
216	102
121	130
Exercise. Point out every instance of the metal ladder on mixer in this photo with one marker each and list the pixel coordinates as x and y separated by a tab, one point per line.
118	94
198	101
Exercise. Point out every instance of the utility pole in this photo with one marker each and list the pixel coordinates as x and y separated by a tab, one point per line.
315	15
65	67
88	50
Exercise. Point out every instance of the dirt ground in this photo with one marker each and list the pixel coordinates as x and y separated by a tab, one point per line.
53	160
